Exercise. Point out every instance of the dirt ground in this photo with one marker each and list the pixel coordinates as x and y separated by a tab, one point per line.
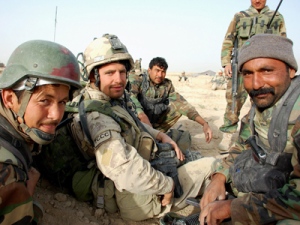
61	208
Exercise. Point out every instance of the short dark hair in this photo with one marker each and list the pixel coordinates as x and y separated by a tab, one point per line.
160	62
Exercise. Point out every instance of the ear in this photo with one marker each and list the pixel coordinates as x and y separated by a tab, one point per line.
149	70
9	98
292	73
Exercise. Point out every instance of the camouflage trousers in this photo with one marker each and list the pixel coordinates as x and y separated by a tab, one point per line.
231	118
168	119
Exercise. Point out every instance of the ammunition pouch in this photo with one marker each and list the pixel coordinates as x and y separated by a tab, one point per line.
248	175
244	27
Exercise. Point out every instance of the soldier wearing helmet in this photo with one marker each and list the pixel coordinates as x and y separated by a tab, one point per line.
35	86
121	148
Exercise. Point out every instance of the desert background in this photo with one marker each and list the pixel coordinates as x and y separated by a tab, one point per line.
61	208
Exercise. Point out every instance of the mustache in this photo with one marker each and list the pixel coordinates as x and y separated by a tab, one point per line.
254	93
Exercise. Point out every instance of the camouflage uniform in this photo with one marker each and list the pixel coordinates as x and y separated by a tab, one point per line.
236	30
17	140
277	204
177	106
219	81
118	155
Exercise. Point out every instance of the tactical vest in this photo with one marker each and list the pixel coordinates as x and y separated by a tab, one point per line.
249	25
153	107
140	140
14	150
252	173
67	164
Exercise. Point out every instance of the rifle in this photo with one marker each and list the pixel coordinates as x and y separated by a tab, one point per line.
234	78
269	31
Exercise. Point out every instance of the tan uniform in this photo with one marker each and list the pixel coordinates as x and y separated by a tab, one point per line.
117	155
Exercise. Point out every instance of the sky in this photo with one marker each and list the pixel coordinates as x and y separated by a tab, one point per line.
187	33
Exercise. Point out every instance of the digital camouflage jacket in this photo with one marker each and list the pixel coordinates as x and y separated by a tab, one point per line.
246	24
158	91
277	204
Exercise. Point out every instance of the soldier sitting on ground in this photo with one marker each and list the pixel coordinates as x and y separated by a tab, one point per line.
219	81
263	168
156	101
182	76
108	133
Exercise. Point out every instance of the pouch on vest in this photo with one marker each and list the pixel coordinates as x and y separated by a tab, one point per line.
244	27
146	147
104	193
82	183
261	25
248	175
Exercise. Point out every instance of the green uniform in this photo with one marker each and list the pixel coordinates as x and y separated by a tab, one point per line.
173	107
275	204
16	204
244	25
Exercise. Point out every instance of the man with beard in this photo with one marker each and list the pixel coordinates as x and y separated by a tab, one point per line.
263	167
121	145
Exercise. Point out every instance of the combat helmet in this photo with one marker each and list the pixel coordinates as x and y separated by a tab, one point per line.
104	50
34	63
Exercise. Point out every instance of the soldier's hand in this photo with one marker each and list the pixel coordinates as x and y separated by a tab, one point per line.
167	198
214	191
215	212
208	132
228	70
164	138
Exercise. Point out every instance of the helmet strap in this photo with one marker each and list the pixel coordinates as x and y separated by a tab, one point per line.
97	78
36	135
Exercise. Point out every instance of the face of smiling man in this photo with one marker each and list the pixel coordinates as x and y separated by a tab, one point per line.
45	108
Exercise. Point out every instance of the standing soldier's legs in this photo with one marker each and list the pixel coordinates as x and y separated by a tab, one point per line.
231	118
167	120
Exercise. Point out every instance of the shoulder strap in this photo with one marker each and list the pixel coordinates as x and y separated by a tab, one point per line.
246	14
12	144
90	105
277	134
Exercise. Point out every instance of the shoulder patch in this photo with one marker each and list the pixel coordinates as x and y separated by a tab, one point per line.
106	135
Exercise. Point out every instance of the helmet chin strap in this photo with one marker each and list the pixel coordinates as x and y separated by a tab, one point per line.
35	134
97	77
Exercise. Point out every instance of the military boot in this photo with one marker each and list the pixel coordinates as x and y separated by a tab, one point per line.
225	144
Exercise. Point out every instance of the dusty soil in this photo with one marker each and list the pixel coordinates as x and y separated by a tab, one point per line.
61	208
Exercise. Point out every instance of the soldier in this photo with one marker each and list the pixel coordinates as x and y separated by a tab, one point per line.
218	81
263	168
244	25
157	103
183	76
118	143
35	86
